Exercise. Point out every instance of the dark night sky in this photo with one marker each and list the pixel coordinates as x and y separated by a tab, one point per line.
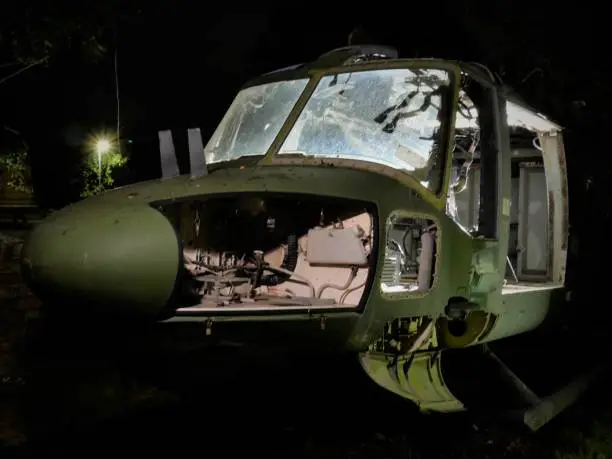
180	64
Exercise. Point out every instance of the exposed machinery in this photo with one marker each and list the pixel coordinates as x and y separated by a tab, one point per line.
410	211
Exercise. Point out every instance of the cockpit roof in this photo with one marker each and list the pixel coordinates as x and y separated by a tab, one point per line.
366	57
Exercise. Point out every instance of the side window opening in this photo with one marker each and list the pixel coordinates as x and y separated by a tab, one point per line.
473	190
464	188
474	176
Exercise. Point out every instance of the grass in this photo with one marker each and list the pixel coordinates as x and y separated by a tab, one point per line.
594	443
584	431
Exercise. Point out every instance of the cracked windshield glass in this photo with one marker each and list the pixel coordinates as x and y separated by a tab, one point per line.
391	117
253	120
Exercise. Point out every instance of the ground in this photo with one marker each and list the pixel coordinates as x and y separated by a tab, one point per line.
82	402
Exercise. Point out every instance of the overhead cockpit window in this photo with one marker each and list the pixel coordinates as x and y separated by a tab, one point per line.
392	117
253	120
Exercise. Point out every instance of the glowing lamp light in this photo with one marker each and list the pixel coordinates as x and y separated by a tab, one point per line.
102	146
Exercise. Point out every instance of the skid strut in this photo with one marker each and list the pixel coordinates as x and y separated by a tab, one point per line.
542	410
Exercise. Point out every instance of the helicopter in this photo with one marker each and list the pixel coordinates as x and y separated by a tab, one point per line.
409	211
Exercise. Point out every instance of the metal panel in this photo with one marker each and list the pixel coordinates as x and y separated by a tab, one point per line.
553	155
468	201
197	159
474	186
169	164
513	242
514	208
533	228
462	207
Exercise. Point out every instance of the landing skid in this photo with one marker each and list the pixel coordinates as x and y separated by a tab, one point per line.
541	410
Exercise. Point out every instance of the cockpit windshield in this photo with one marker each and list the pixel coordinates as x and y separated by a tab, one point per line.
393	117
253	120
390	116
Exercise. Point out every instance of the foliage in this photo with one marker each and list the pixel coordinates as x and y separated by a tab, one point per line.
15	171
30	33
98	179
33	35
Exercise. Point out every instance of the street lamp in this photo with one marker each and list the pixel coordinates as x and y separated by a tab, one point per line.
102	146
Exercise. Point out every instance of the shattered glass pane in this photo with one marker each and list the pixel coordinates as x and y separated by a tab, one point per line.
253	120
392	117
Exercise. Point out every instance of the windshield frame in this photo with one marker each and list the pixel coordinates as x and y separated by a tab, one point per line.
435	197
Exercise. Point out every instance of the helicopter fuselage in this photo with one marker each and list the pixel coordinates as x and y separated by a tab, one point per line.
380	207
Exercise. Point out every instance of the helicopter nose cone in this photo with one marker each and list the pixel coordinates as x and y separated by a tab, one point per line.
107	258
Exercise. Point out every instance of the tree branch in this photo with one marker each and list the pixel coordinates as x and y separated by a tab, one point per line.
11	130
9	64
29	66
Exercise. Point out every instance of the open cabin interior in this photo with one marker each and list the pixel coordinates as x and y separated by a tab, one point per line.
262	251
528	234
534	260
